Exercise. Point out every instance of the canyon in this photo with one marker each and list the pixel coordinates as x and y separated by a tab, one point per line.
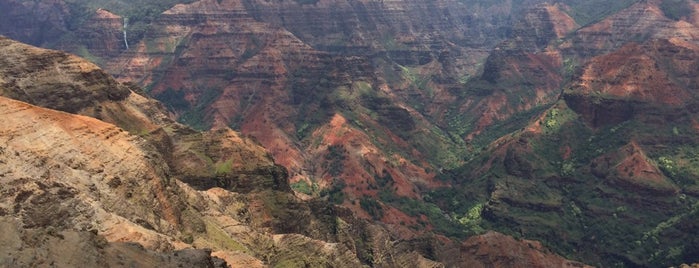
428	124
112	180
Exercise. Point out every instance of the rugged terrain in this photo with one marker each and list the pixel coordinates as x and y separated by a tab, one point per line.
572	123
111	180
609	163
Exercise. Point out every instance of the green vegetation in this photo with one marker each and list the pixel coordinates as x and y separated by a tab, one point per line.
140	13
198	116
223	168
174	99
221	238
335	194
417	81
472	220
304	187
548	188
569	67
451	225
440	149
335	160
556	118
310	92
372	207
531	191
681	168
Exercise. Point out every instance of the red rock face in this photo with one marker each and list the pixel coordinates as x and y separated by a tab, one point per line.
238	63
636	89
632	168
522	73
231	64
103	34
380	96
618	86
631	73
640	22
497	250
66	173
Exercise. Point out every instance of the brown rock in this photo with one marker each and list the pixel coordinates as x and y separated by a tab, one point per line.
497	250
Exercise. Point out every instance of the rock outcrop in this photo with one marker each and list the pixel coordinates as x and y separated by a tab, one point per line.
78	191
104	37
68	199
602	148
217	66
577	131
30	74
494	249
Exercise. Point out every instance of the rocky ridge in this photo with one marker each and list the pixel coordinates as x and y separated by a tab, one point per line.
268	83
576	132
608	152
98	194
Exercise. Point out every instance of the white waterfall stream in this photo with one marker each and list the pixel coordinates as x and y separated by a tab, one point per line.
126	23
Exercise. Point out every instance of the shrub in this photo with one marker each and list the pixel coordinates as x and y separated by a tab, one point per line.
372	207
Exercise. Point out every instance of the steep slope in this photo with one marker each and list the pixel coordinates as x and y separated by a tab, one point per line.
64	182
519	77
77	191
28	79
279	89
578	129
637	23
265	69
606	174
162	225
398	72
35	22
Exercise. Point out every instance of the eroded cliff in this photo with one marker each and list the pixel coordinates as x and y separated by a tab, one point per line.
575	120
78	191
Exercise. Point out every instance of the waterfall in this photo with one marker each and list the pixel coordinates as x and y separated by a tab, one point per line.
126	23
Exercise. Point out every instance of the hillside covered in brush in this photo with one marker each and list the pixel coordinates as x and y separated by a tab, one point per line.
573	123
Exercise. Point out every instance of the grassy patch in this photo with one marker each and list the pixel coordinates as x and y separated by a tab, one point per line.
197	116
224	168
556	118
682	167
84	53
221	239
453	225
303	187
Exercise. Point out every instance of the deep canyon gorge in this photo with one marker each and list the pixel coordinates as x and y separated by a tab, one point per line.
349	133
